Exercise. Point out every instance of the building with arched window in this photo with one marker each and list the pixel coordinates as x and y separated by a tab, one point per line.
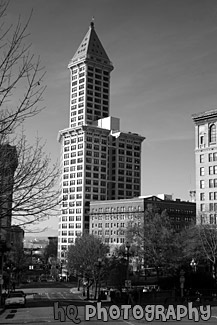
212	133
206	166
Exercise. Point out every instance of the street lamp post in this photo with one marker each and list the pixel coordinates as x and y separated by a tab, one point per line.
128	259
99	265
127	283
182	282
193	265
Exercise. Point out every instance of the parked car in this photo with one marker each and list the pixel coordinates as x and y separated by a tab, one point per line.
15	298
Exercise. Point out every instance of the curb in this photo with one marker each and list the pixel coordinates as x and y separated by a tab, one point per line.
2	310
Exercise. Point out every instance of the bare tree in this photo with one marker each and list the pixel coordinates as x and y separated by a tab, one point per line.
35	190
201	244
27	173
21	75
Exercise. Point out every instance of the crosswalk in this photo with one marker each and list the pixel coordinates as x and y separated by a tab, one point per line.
56	295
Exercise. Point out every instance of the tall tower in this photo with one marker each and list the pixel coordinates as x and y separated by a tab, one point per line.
98	161
206	166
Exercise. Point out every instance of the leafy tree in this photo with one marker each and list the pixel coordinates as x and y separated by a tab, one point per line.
17	260
155	240
83	256
116	271
50	250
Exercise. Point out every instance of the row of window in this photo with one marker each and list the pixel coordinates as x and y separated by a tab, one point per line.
72	175
115	216
212	170
70	233
212	183
212	196
95	189
72	189
90	161
110	232
88	196
96	154
73	140
66	240
212	219
73	161
95	175
109	240
72	182
211	157
128	146
71	211
127	165
97	70
71	218
116	209
70	225
80	111
74	70
212	207
73	154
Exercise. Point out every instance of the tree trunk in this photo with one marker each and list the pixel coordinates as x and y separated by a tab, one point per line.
214	270
96	286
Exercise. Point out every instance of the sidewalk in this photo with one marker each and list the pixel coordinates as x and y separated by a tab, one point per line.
2	309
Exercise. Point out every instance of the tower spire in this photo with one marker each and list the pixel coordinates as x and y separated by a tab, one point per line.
92	23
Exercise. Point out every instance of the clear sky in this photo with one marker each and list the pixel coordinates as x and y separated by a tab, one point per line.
165	58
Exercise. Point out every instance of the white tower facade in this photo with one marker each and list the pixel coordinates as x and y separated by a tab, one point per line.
98	161
206	166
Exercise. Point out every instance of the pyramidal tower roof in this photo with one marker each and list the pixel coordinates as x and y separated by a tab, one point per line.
91	49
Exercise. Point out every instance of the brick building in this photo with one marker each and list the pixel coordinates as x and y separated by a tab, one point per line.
109	219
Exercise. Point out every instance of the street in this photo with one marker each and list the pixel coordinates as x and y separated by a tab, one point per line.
58	305
42	315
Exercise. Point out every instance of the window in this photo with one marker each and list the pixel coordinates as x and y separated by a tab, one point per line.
210	170
202	207
211	182
211	196
201	158
202	171
202	183
210	157
212	133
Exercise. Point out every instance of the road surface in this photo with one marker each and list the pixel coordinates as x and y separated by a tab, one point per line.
47	315
66	306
